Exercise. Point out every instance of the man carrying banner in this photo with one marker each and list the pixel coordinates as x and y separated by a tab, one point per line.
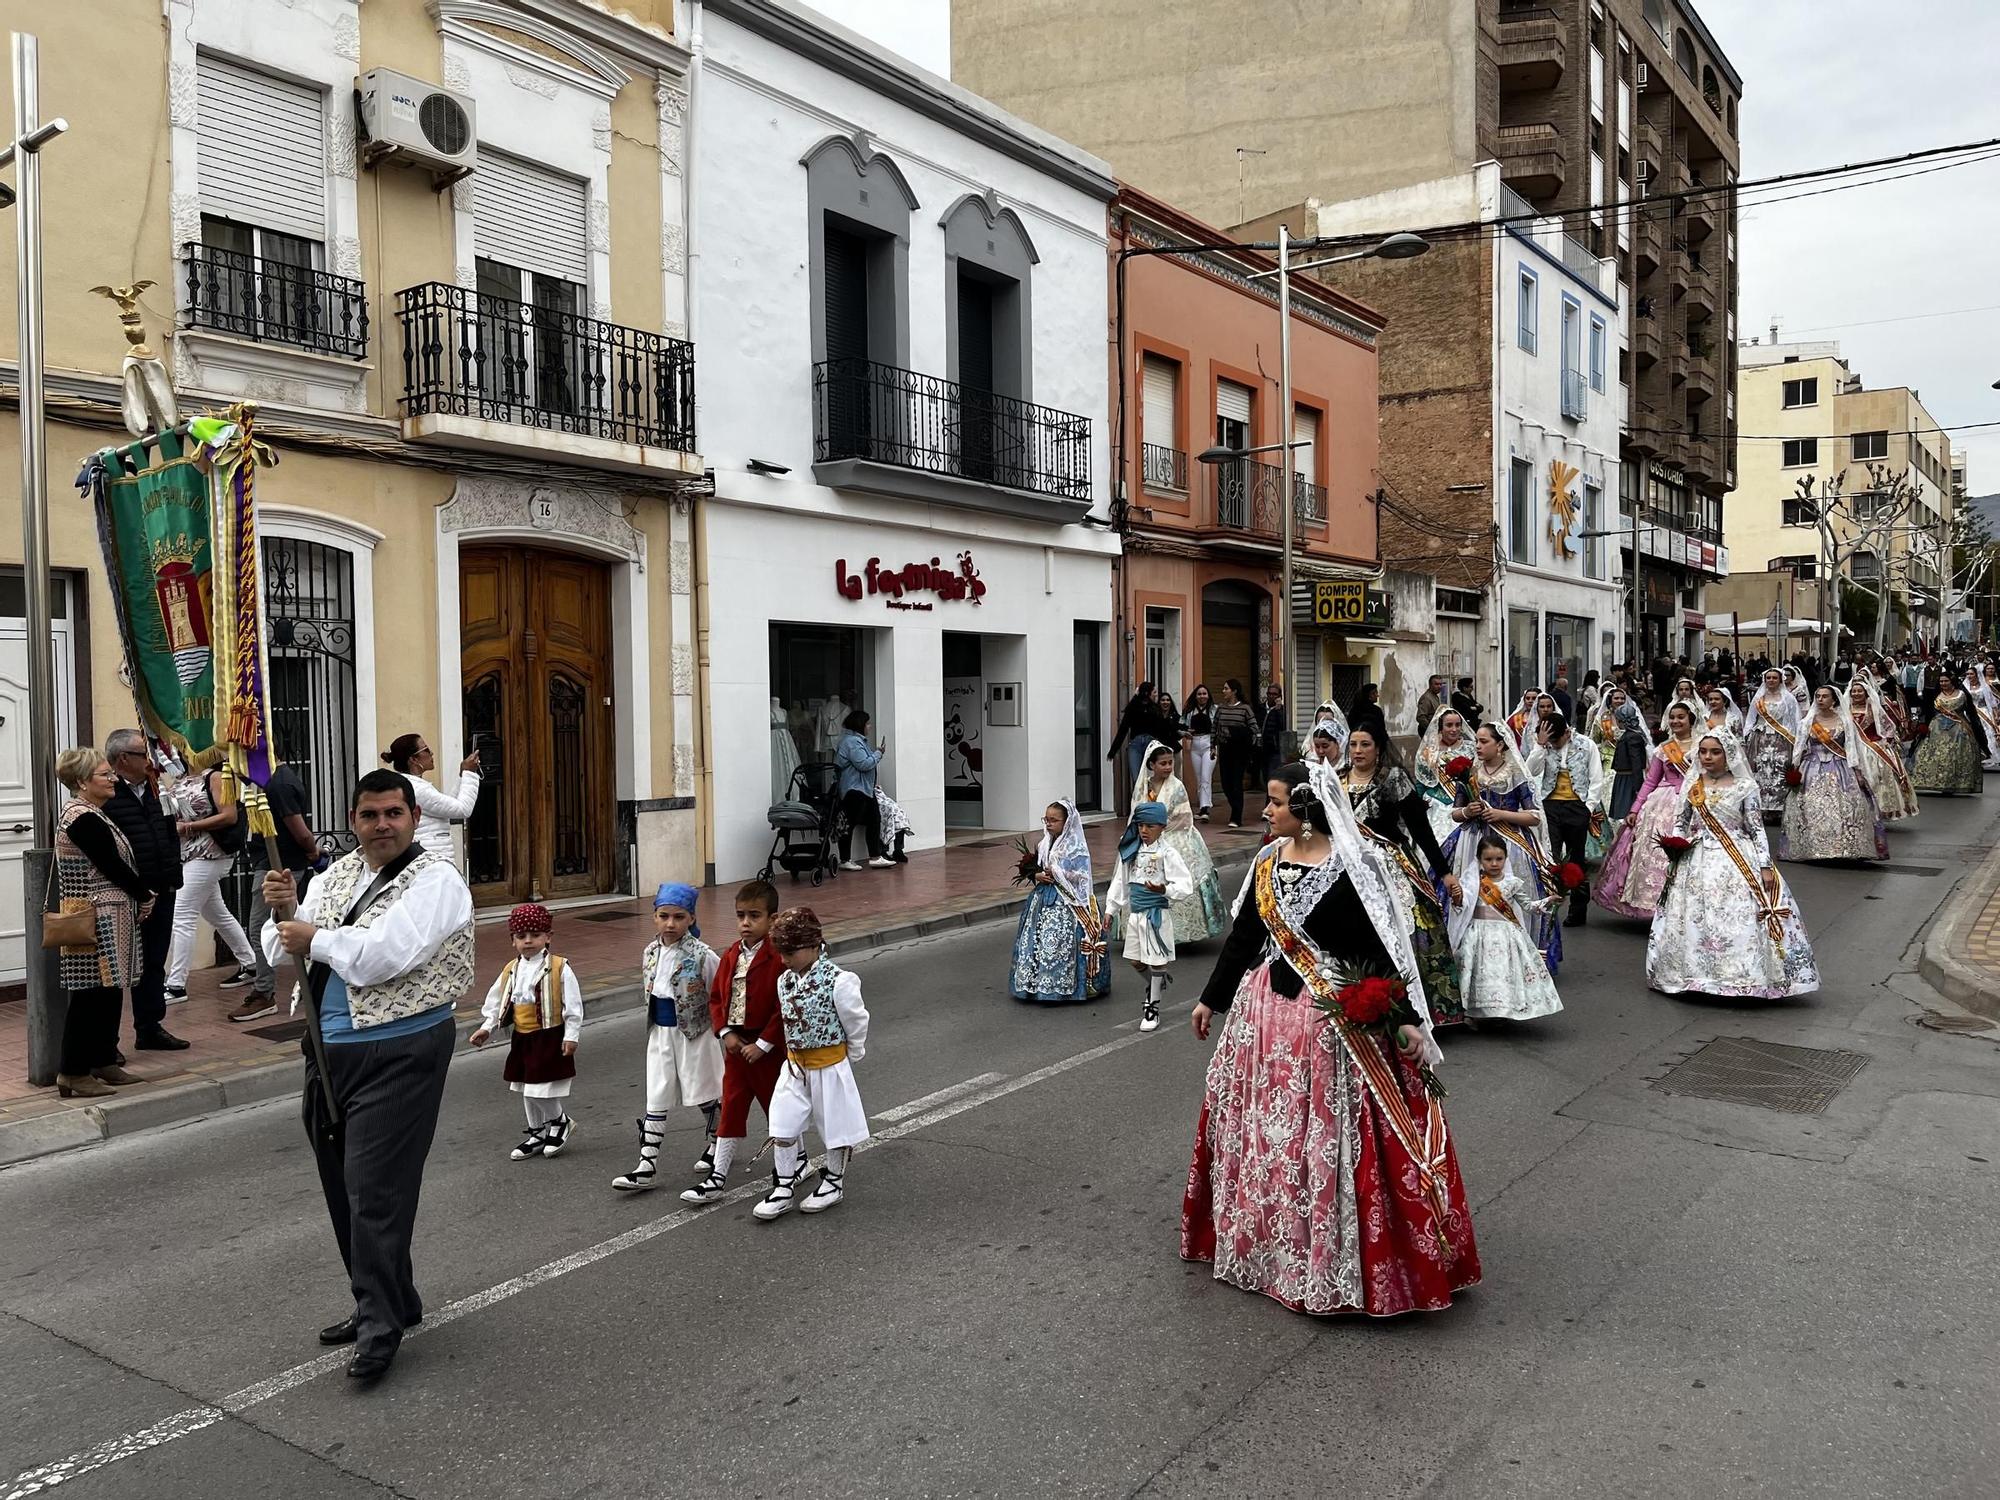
388	933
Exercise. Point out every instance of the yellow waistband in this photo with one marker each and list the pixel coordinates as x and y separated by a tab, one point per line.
814	1058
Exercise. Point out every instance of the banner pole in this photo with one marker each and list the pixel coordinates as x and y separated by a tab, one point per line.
315	1042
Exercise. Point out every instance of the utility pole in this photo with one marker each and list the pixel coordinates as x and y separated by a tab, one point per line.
38	862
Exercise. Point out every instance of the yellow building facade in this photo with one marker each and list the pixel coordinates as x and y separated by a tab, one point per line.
441	244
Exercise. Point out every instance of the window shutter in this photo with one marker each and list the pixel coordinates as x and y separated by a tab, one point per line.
1161	383
1232	401
1305	430
525	215
261	149
1305	677
846	263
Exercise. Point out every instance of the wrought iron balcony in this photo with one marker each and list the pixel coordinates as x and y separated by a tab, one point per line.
467	354
1247	499
1575	395
1163	468
885	415
270	302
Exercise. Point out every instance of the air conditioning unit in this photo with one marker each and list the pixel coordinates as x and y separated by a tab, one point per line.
407	120
1644	170
1643	77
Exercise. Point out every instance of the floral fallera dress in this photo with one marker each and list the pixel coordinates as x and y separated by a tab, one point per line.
1202	913
1052	962
1712	935
1635	871
1768	744
1299	1188
1830	814
1894	795
1389	809
1948	760
1527	859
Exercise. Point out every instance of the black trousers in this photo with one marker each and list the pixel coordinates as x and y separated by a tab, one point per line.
371	1167
865	813
149	990
1229	770
90	1031
1569	827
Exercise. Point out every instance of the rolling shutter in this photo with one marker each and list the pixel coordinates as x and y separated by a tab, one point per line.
1305	432
1232	401
261	145
1160	384
525	215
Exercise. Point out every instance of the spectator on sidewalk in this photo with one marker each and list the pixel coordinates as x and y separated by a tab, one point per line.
1235	746
1429	704
1274	735
860	768
94	864
155	842
411	757
298	851
1469	708
211	836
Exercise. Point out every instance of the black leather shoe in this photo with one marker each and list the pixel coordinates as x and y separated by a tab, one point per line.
344	1332
371	1365
159	1039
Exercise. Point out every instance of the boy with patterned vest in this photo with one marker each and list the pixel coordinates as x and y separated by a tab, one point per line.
826	1029
538	996
743	1008
682	1053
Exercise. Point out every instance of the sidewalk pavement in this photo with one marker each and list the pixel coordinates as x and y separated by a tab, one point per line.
229	1065
1961	954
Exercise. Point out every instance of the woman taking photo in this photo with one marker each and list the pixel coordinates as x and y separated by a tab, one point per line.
1201	749
1235	746
859	766
1324	1175
1138	726
409	755
1726	925
94	863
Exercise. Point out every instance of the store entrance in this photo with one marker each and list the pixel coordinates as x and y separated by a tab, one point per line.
819	675
964	722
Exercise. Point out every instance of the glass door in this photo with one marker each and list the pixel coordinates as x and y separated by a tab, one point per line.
1087	682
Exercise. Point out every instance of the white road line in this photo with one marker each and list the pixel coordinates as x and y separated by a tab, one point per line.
969	1095
918	1106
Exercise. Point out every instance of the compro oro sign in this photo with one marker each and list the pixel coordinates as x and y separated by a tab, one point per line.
1344	602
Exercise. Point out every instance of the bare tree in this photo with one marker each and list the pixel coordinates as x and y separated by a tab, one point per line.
1857	523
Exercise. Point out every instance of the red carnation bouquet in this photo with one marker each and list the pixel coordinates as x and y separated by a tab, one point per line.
1371	999
1458	766
1569	875
1026	864
1674	845
1794	776
1918	731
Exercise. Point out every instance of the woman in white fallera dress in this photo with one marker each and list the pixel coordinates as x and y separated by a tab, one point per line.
1447	740
1877	751
1727	924
1502	974
1719	710
1831	813
1201	913
1979	687
1772	733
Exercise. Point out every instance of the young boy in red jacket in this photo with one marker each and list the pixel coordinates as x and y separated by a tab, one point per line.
743	1003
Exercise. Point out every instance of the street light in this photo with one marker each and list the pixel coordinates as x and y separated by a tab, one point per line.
1395	247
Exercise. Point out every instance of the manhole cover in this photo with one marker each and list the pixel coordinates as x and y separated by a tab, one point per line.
1933	1020
1743	1070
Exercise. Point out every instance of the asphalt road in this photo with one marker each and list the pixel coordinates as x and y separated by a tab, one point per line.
1683	1296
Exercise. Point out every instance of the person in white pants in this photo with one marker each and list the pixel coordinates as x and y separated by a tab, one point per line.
203	864
1201	749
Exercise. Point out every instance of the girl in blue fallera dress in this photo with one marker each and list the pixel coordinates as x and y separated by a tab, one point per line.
1059	951
1499	797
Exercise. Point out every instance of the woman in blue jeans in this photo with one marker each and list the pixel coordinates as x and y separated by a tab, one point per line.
858	763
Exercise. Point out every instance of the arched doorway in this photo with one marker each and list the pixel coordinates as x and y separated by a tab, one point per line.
535	663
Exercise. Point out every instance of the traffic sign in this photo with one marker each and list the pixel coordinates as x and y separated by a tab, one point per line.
1339	603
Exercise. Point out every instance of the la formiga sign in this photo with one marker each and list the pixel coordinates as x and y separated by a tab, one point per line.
897	586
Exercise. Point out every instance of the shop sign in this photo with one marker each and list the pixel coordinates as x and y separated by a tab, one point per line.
897	584
1339	602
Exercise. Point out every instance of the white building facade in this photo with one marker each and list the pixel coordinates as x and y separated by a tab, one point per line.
1559	405
904	404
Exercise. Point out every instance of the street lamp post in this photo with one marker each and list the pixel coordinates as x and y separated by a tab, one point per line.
1395	247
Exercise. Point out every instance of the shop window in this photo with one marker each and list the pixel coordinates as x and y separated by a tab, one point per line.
819	674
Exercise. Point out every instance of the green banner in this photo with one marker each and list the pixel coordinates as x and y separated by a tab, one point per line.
153	524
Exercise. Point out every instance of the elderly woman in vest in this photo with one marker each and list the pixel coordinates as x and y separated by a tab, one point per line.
386	933
94	863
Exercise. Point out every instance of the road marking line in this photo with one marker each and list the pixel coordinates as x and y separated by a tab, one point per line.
918	1106
970	1095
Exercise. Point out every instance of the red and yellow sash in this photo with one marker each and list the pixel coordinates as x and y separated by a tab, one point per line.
1825	737
1491	895
1773	916
1887	756
1428	1143
1764	713
1087	918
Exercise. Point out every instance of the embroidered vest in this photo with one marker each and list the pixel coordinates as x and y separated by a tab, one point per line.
443	980
806	1003
690	993
545	1011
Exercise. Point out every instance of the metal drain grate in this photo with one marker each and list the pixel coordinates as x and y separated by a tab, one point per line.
1743	1070
1896	869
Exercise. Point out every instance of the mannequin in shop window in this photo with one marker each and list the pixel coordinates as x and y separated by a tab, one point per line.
833	715
784	751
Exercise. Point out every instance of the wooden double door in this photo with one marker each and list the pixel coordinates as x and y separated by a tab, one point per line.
535	658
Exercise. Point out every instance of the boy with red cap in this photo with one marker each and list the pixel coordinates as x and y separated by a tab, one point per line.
743	1007
538	996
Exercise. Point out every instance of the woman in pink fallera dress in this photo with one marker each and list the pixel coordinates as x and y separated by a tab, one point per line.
1635	871
1324	1175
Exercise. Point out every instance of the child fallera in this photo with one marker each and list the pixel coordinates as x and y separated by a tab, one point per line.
538	998
1149	878
826	1032
683	1053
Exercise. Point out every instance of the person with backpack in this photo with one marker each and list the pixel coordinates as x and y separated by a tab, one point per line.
212	825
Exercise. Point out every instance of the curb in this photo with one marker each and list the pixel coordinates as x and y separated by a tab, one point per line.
1958	981
192	1098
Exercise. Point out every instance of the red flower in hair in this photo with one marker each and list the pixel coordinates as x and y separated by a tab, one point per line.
1458	765
1570	875
1794	776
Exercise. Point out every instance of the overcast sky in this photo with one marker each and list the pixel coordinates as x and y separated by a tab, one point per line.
1825	82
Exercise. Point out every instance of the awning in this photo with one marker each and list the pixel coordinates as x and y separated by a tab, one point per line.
1366	642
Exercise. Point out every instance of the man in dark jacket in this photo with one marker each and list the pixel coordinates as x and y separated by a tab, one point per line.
1469	708
156	855
1273	734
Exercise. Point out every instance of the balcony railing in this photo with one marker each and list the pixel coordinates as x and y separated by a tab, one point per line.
1246	499
275	303
862	410
1575	395
1162	468
468	354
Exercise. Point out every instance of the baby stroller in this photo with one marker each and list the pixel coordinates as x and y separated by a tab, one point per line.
805	826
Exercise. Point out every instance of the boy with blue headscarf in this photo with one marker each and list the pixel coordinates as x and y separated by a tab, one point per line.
1150	877
683	1053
